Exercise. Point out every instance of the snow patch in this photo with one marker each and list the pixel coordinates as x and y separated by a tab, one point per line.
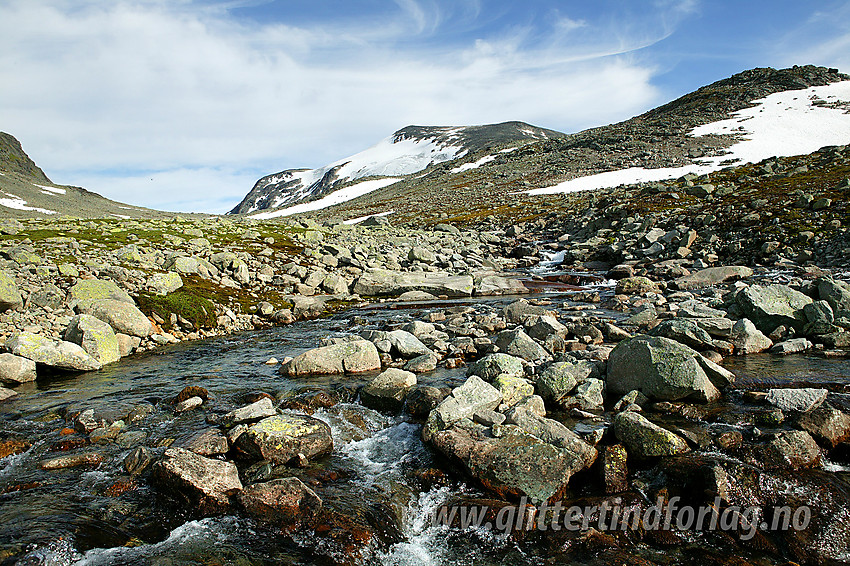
782	124
53	190
336	197
121	216
18	203
475	165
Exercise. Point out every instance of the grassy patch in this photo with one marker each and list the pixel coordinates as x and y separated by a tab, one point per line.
183	302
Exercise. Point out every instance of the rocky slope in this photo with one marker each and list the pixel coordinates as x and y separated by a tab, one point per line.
408	151
26	192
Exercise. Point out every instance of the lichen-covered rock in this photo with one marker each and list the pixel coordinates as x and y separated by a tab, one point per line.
662	369
164	283
646	439
382	282
89	291
95	337
771	306
713	276
287	502
122	316
491	366
10	296
256	411
281	438
518	343
53	353
475	394
348	357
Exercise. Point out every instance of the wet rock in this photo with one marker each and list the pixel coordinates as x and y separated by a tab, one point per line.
388	390
518	343
827	424
52	353
73	461
748	339
281	438
10	296
515	463
287	502
210	442
613	469
793	346
138	461
203	483
493	365
801	399
382	282
256	411
646	439
770	306
192	391
713	276
685	332
95	337
793	449
7	393
11	447
474	395
423	399
15	370
662	369
188	404
123	317
89	291
347	357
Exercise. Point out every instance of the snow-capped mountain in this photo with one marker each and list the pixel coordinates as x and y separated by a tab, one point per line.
408	151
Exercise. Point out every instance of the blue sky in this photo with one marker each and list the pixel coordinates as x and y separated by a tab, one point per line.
182	104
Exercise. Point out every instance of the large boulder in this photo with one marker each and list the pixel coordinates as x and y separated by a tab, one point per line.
388	390
95	336
827	424
663	370
122	316
89	291
402	344
15	370
802	399
771	306
748	339
491	366
347	357
713	276
487	284
204	483
164	283
282	438
684	331
558	380
10	296
646	439
53	353
382	282
516	463
287	502
837	294
517	343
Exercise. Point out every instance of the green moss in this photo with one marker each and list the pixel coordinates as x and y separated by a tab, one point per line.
186	303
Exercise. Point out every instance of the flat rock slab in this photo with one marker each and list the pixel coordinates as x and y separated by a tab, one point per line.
382	283
802	400
713	276
53	353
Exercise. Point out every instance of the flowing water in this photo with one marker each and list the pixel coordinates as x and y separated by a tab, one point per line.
98	516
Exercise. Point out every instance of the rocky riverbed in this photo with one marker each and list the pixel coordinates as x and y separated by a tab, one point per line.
396	372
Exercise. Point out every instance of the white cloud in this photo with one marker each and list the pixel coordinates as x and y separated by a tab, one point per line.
108	95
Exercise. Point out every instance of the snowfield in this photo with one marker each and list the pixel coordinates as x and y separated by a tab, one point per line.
16	202
780	125
336	197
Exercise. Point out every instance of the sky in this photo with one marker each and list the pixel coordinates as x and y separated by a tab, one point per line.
182	105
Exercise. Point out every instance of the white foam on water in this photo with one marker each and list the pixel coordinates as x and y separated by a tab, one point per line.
425	544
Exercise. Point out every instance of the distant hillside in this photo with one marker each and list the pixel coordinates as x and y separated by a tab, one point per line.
408	151
25	192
